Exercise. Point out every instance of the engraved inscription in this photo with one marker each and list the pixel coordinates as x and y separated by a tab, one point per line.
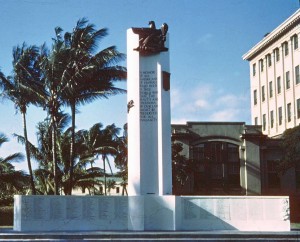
206	209
38	212
103	208
255	209
56	212
26	208
222	209
148	96
121	208
189	209
73	208
89	208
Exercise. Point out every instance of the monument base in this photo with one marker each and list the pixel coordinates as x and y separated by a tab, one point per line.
142	213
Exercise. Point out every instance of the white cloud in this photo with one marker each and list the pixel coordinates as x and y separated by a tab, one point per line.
179	121
201	103
202	91
225	115
175	97
230	100
209	103
204	39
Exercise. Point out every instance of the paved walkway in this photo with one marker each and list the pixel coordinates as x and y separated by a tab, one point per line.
10	235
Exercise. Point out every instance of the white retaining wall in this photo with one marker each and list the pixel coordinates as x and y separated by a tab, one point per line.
90	213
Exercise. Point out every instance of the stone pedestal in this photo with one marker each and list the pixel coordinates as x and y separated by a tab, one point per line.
149	212
149	125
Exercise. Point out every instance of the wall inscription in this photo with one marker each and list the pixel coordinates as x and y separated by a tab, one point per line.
148	96
56	209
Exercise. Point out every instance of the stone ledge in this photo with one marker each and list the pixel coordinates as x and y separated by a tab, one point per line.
151	213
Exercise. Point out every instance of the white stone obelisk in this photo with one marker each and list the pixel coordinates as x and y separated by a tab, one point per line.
149	125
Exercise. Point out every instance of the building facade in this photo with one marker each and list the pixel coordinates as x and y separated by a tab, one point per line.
275	78
231	158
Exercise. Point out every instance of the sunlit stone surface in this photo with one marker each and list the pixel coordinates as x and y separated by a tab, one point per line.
67	213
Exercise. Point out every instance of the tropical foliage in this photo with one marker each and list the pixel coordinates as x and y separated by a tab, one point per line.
22	88
71	73
11	181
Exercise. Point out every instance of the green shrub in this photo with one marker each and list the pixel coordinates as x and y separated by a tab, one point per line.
6	216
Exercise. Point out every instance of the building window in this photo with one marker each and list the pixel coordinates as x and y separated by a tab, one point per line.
278	84
297	74
289	112
272	118
271	89
255	97
295	40
117	189
286	48
269	58
261	65
280	115
256	121
298	108
277	54
254	69
219	168
287	80
263	97
264	122
273	179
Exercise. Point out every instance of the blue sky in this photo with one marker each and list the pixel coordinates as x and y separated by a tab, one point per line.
209	79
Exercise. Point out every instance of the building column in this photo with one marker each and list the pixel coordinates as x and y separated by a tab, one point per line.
251	169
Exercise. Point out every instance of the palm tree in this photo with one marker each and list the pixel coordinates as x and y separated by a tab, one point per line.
107	146
11	181
121	159
99	141
84	176
111	184
22	88
42	154
52	64
89	74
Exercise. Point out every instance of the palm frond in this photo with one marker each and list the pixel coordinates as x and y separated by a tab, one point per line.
17	157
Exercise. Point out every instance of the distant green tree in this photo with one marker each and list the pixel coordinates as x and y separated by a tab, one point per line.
85	177
11	181
179	164
99	141
290	149
111	184
121	159
182	167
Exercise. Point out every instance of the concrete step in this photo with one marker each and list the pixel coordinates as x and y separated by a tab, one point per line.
10	235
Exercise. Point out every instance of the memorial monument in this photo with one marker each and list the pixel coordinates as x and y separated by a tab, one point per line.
150	204
149	122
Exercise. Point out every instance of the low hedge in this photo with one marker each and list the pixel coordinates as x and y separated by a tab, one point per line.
6	216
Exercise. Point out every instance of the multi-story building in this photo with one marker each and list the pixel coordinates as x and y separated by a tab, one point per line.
231	158
275	78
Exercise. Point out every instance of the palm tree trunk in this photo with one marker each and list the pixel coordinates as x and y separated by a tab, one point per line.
72	149
28	154
103	158
54	157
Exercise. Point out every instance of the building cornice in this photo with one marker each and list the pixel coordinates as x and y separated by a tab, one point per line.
274	36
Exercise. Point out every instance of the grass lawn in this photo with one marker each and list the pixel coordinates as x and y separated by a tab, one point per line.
295	226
